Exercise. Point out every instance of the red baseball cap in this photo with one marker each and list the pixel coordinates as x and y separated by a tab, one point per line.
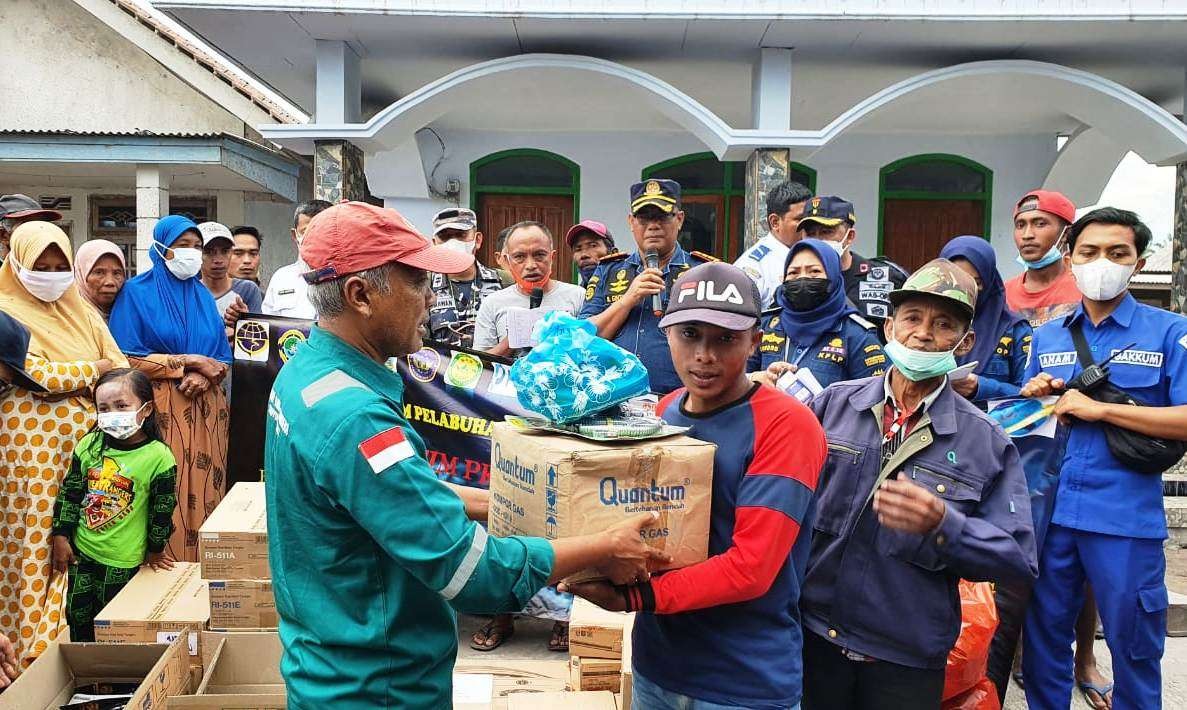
355	236
1047	201
587	225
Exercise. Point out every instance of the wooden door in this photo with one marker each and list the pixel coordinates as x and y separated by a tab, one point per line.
496	212
914	231
704	223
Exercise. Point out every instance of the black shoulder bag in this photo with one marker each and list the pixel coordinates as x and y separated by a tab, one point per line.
1146	454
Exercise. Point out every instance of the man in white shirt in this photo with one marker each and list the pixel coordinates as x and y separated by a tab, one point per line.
528	254
286	291
766	260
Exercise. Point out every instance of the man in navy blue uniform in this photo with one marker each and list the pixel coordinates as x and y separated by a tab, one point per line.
1108	524
621	296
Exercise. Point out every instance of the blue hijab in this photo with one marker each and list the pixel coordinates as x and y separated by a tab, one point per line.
804	328
991	318
158	313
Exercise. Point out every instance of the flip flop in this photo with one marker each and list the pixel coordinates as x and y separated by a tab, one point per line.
1102	690
491	631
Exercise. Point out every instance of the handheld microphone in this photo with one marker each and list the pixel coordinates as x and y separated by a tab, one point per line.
651	261
536	298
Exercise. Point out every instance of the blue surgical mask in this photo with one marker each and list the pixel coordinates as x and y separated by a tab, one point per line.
1052	256
918	365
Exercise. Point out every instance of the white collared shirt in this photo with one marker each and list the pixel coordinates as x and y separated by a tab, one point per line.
286	294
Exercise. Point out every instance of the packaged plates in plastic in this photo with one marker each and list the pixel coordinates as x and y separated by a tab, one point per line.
604	428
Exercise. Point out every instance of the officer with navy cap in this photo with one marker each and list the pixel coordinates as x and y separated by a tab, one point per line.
627	294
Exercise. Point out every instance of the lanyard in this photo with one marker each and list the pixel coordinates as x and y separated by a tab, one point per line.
787	350
889	439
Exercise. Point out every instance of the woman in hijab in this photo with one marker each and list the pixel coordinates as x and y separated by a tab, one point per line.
167	323
813	327
69	348
99	272
1003	337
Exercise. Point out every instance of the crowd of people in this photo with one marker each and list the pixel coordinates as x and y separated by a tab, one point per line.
857	475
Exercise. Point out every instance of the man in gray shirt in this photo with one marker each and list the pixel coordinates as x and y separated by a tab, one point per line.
527	254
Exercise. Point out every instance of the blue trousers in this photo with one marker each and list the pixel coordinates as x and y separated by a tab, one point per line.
646	695
1128	577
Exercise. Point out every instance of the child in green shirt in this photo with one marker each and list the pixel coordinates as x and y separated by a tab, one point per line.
115	507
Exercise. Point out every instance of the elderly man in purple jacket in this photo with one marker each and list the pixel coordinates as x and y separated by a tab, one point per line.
920	489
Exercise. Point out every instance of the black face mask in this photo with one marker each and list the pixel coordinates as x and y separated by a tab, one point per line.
805	294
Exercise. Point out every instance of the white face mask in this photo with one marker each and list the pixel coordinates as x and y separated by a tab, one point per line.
186	262
45	286
838	247
120	425
1101	279
460	246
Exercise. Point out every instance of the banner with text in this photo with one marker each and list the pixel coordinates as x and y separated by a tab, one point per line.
451	397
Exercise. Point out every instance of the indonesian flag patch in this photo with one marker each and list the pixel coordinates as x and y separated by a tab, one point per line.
386	449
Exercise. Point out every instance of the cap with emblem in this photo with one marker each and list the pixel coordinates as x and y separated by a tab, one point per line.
940	278
1047	201
354	236
664	194
715	293
214	230
828	210
25	207
588	226
454	218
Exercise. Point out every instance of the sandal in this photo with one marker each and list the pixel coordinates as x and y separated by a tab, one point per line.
1101	690
559	641
493	634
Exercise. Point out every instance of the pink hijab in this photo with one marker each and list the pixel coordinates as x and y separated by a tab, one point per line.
85	259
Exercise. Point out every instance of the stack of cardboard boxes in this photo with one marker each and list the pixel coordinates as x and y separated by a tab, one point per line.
233	549
598	640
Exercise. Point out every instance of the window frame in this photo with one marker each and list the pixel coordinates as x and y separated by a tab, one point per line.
985	196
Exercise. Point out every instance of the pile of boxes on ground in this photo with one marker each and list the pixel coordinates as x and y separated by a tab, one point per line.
202	635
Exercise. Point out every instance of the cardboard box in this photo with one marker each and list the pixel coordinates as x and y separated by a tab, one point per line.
157	607
510	678
595	632
568	701
243	673
553	486
595	674
233	542
628	673
242	604
49	682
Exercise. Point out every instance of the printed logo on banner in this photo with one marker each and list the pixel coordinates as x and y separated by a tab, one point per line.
464	371
500	381
288	342
251	341
424	363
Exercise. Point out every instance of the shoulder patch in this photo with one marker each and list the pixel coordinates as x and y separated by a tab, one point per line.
703	256
861	321
386	449
758	252
614	256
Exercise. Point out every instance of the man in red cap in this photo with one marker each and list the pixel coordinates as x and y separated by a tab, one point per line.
1046	290
370	553
589	241
16	210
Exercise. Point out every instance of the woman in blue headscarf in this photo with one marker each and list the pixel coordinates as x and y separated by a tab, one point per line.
1003	337
166	322
813	326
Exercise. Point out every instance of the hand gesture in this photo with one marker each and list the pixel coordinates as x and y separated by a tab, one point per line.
1074	404
966	387
62	554
1043	385
648	283
159	561
234	312
7	662
603	594
193	384
208	367
902	505
774	371
631	559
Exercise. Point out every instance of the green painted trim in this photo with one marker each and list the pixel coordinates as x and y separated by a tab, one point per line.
985	196
573	191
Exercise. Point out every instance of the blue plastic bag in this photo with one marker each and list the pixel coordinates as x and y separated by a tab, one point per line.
572	373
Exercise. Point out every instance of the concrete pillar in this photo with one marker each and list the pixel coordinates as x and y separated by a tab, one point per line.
770	89
152	203
338	172
1179	236
230	208
339	87
765	168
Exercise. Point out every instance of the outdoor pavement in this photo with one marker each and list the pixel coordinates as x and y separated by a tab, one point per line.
531	642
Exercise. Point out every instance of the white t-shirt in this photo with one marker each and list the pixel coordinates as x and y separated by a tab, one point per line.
286	293
764	263
490	327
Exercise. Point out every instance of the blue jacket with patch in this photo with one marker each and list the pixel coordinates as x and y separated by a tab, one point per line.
849	350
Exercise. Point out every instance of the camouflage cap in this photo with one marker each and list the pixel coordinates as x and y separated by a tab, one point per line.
942	279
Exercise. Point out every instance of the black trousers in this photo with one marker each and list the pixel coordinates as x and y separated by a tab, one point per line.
833	682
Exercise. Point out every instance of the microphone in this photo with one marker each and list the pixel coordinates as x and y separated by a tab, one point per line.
651	261
536	298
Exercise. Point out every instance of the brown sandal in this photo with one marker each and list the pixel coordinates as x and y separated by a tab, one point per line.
493	634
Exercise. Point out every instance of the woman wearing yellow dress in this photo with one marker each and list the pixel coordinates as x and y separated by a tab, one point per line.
69	348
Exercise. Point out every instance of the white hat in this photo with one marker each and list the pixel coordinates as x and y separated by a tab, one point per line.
214	230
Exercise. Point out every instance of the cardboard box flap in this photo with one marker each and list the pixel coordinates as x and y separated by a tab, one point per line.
133	662
247	659
176	595
243	510
600	700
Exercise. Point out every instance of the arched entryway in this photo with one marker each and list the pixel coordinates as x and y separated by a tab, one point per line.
526	184
926	200
713	195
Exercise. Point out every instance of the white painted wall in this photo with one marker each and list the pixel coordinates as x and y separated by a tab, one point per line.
610	162
68	71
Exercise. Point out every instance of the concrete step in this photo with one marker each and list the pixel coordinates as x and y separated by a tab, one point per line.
1176	615
1176	520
